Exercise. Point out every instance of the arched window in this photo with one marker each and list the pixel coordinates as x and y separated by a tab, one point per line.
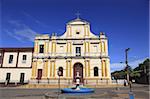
95	71
61	69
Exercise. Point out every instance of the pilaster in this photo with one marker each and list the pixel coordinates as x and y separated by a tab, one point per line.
66	68
70	63
45	70
88	68
36	46
34	70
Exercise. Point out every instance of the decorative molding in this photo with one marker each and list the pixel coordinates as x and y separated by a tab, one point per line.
27	49
94	43
77	43
17	67
71	57
75	39
60	43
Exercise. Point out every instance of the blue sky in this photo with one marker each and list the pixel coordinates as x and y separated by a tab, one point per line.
125	22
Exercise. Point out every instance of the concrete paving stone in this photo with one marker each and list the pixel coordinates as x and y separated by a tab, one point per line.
139	91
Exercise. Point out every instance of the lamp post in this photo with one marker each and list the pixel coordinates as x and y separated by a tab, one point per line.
127	67
59	74
126	62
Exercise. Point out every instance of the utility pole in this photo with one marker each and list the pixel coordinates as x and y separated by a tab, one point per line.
126	61
127	66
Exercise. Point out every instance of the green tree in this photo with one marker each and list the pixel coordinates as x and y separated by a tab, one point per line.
134	74
118	74
141	73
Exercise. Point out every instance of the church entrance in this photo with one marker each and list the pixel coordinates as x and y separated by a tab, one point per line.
78	68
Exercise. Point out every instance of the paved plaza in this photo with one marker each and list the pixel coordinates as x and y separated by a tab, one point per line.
139	91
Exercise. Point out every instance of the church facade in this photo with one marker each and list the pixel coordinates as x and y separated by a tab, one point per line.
77	50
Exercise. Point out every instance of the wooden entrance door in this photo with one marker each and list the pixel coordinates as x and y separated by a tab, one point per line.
39	76
78	67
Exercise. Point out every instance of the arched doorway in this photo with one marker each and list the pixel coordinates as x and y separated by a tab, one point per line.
78	67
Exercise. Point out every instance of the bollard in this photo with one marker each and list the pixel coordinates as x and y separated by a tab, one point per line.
131	96
6	82
15	83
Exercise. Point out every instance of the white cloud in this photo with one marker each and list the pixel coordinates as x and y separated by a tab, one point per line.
120	66
35	20
21	31
41	24
116	66
14	36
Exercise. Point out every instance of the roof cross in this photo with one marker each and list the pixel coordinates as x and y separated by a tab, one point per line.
78	15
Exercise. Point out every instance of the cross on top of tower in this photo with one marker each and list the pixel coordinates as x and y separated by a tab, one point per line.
78	15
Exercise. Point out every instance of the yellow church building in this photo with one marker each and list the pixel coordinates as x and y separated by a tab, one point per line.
77	50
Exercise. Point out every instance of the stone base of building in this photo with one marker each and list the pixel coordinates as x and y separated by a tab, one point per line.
68	86
70	81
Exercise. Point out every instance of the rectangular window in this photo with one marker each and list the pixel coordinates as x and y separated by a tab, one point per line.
95	71
10	59
77	32
22	75
8	77
78	51
41	49
24	58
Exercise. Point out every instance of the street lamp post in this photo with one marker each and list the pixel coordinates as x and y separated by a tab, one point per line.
127	66
59	74
126	62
